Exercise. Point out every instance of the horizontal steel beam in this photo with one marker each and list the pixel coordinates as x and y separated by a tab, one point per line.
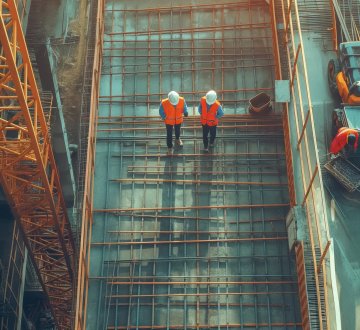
196	207
189	241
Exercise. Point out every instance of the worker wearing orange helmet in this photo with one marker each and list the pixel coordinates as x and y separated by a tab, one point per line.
172	109
346	138
210	111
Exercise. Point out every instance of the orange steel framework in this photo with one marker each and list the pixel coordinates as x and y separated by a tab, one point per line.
87	208
300	267
334	31
28	172
310	176
285	119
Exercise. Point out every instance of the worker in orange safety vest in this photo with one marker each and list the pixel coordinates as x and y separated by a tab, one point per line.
210	111
346	139
172	109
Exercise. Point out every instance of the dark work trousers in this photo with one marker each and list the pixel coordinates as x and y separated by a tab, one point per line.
206	130
169	134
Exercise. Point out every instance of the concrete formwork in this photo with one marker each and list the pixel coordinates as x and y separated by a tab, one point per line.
195	240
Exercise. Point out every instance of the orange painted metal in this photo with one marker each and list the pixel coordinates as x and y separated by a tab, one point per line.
300	267
285	116
209	182
294	66
189	241
28	171
87	207
202	207
319	267
275	39
288	156
301	94
334	31
310	185
199	282
303	129
287	20
207	326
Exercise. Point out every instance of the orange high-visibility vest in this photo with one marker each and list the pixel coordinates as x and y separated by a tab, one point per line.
173	113
208	117
344	90
341	139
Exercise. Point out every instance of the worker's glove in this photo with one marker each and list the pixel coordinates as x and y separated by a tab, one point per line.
333	156
186	114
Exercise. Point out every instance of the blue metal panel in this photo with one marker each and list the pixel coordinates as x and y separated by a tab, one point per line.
282	91
353	116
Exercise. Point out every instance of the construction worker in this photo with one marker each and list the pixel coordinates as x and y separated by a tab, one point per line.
346	139
210	111
172	109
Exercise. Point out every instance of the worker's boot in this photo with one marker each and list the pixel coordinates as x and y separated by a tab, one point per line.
170	151
179	143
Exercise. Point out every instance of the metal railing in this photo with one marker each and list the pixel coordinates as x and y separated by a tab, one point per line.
87	154
310	193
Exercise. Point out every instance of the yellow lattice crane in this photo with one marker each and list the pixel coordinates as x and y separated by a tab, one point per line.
28	173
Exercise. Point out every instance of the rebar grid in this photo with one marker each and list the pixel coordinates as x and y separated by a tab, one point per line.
175	243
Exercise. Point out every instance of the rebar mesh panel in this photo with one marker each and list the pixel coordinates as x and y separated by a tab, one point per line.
195	240
345	172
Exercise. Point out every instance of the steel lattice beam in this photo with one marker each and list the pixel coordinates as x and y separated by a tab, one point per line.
28	172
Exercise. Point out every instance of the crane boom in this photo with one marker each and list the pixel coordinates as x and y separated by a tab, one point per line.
28	173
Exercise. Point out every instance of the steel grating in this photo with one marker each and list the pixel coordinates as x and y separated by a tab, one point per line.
345	172
192	241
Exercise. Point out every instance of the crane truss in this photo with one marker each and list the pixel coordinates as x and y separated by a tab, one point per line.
28	173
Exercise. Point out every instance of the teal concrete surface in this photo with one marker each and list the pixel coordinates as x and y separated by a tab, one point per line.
23	8
59	135
49	20
193	240
53	17
352	116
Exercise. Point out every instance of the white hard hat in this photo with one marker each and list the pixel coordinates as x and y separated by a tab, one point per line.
211	97
173	98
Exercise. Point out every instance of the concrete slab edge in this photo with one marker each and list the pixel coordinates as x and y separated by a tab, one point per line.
337	314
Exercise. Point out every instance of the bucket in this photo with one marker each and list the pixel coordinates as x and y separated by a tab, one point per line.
260	103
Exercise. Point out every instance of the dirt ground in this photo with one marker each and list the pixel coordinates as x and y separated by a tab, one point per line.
71	61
